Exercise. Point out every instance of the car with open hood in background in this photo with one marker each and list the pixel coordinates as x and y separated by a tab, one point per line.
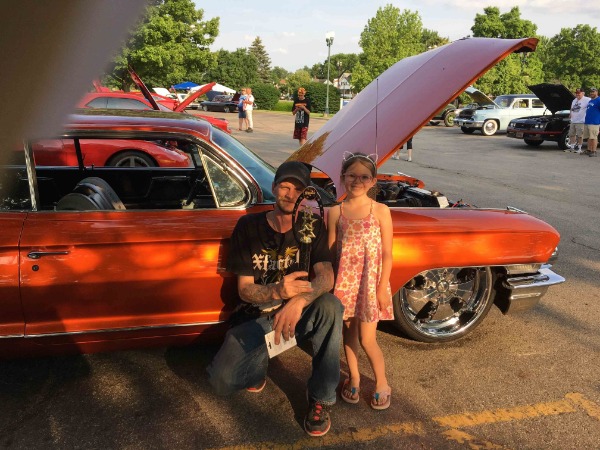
170	227
534	130
492	116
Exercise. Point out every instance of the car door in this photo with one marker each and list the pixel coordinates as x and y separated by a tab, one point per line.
126	270
14	207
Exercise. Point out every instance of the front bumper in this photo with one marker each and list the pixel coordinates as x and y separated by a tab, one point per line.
467	123
525	291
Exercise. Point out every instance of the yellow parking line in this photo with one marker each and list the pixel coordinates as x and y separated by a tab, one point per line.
474	443
505	414
590	407
451	423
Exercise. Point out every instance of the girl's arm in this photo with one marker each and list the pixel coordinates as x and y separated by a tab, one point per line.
387	237
332	218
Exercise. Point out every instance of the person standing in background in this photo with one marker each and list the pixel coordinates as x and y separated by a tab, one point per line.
301	111
577	116
408	147
249	102
242	111
592	122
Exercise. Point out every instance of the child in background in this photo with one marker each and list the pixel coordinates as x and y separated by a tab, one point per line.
360	235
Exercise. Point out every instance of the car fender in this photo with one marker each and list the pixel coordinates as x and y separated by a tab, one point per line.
426	238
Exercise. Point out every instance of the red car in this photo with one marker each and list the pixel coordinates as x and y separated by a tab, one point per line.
101	258
106	99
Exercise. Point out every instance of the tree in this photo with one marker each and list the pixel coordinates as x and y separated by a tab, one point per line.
234	69
300	78
517	71
340	63
170	45
387	38
431	39
572	57
278	74
264	62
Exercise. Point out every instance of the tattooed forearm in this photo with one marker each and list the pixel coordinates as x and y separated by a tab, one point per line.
258	293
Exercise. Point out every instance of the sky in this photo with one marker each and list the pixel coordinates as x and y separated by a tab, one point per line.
293	33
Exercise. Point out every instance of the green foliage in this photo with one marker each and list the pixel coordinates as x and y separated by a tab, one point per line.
284	105
514	74
266	95
388	37
340	63
317	92
169	45
262	57
234	69
505	26
573	56
300	78
278	74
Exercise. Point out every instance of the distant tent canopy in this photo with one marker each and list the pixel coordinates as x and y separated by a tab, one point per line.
217	89
186	85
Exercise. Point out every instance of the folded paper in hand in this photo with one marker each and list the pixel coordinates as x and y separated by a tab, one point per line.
275	350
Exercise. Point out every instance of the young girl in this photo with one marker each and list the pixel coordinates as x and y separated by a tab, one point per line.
360	234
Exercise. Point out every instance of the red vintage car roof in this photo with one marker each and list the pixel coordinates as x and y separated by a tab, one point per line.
123	120
391	109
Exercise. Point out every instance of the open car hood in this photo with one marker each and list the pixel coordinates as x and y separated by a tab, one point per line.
479	97
148	95
556	97
373	121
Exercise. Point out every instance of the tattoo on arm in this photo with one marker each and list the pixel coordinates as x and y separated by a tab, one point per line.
258	293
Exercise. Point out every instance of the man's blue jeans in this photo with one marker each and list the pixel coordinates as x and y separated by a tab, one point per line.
242	360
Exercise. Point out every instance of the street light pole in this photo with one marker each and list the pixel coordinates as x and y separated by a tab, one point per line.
329	40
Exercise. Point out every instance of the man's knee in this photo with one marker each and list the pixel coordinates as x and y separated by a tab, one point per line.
329	306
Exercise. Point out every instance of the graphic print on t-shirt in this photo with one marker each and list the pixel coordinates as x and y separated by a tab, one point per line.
274	266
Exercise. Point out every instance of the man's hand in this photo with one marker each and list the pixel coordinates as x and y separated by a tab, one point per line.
290	285
284	323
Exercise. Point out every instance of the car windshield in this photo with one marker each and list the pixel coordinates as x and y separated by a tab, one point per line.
503	101
260	170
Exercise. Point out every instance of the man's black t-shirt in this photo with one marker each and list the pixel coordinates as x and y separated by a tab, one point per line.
302	117
259	251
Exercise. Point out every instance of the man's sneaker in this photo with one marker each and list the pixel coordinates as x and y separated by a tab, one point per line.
317	421
593	154
258	388
249	130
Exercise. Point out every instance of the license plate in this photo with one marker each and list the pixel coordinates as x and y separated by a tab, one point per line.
519	135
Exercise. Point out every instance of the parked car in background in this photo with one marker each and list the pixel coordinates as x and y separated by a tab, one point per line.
126	100
446	115
492	116
139	244
224	103
534	130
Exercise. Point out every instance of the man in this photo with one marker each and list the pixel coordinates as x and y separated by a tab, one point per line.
249	102
242	111
301	111
577	116
265	257
592	122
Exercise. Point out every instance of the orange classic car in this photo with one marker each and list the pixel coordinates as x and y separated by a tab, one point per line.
99	257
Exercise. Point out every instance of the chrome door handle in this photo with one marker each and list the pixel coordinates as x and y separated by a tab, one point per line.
38	255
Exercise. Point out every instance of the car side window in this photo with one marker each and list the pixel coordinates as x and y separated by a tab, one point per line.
537	103
227	190
126	103
99	102
14	188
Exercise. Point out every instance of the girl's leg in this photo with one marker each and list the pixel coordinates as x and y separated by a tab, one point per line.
350	334
368	341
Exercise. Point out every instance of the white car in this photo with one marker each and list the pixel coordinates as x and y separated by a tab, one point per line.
495	115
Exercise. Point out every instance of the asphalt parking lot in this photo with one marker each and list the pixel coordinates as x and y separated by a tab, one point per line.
517	382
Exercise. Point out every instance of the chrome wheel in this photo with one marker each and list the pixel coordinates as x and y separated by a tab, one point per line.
443	304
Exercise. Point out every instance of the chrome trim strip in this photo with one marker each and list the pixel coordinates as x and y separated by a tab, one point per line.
117	330
12	336
544	278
